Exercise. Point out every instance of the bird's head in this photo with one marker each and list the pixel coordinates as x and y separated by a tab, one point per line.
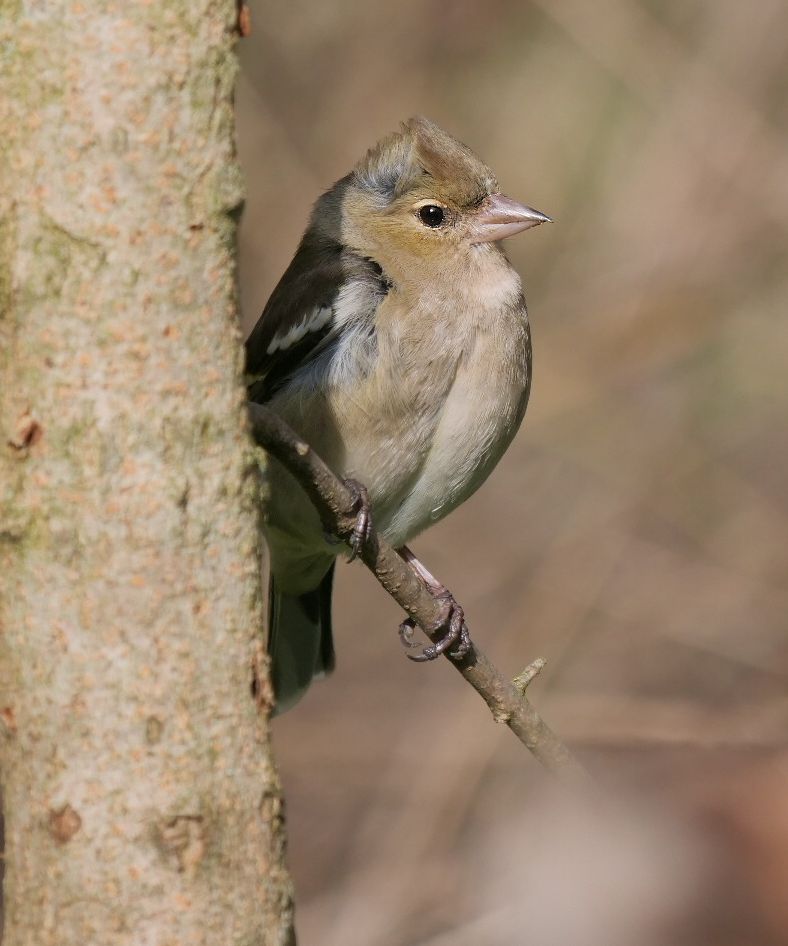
421	200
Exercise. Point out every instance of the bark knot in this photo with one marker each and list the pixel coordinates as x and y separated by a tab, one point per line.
182	840
64	823
8	719
27	434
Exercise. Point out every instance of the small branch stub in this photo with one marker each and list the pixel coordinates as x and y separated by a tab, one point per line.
531	672
244	19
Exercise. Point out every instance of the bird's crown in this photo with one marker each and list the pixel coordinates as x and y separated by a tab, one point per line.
422	157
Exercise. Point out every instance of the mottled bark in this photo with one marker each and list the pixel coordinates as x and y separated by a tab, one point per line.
141	803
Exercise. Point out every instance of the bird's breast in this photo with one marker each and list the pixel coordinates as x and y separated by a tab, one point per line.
428	424
420	414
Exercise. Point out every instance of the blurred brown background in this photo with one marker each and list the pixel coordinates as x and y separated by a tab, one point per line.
635	534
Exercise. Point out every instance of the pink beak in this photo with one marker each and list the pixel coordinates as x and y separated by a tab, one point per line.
499	217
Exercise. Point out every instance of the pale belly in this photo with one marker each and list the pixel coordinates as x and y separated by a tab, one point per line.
452	447
422	438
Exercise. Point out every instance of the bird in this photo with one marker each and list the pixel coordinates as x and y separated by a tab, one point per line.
396	344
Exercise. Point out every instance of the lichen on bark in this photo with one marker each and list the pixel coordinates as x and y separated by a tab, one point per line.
135	758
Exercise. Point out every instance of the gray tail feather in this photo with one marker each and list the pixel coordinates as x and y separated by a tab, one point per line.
300	641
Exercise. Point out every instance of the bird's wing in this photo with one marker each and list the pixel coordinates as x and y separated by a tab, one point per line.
305	313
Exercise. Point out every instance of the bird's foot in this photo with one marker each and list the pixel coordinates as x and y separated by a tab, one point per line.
456	639
363	524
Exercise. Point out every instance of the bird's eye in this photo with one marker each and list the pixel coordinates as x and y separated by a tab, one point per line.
431	215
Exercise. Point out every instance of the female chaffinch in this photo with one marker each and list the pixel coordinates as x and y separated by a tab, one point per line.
397	345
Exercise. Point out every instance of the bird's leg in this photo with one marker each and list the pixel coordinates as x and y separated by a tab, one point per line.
363	518
452	617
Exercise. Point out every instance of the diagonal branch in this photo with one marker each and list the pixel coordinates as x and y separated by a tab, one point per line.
336	507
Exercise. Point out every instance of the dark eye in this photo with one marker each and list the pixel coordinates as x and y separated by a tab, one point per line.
431	215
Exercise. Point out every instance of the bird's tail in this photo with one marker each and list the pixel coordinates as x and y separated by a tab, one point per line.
300	641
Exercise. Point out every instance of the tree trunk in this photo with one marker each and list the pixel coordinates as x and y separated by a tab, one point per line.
141	803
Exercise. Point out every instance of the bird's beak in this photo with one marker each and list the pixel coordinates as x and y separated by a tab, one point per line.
499	217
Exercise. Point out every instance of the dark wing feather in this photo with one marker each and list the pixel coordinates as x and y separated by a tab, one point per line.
312	280
310	284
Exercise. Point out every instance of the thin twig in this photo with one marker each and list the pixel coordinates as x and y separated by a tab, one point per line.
335	505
